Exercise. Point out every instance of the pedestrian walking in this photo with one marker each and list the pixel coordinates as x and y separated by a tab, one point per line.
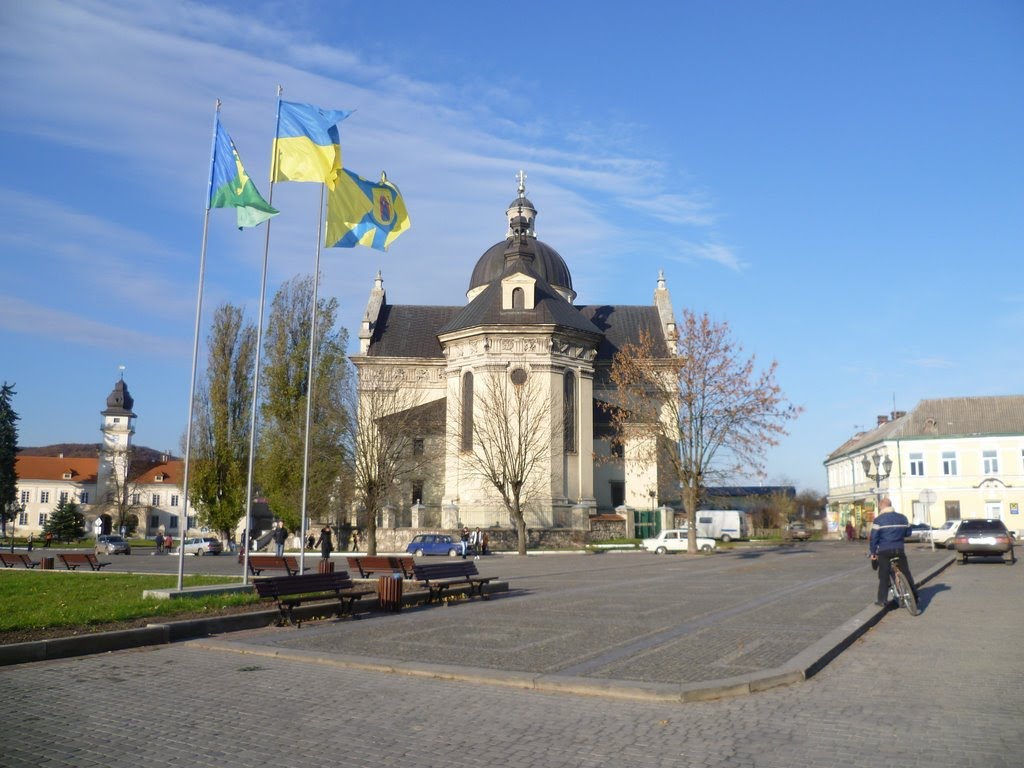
850	532
464	540
324	542
48	540
355	541
476	541
280	536
159	539
31	540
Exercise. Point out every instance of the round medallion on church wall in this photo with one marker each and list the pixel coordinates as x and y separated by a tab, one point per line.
518	376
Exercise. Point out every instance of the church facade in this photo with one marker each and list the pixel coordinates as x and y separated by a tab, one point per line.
520	327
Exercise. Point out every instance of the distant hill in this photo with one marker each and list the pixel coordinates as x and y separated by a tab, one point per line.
141	455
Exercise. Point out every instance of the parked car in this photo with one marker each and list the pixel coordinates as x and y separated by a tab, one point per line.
203	545
112	544
919	532
796	532
984	537
675	540
943	535
434	544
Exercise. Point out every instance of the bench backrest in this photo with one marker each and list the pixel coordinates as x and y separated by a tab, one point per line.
78	558
450	570
369	564
273	562
11	559
281	586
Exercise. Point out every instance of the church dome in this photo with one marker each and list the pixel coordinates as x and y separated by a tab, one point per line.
547	262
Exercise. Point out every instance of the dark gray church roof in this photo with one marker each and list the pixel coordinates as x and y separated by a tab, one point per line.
405	330
622	325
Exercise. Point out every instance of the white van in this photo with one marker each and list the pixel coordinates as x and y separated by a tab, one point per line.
723	524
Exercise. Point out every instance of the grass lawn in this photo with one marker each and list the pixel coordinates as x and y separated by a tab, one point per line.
35	600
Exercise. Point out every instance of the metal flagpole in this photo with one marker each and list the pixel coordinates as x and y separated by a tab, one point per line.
259	352
183	515
309	385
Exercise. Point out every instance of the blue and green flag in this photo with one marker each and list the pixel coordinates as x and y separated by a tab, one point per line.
230	185
361	212
308	144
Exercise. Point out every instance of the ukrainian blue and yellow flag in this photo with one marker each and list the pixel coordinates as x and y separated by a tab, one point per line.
230	185
308	144
361	212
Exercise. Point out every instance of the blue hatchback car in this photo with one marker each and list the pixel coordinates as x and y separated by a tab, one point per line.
434	544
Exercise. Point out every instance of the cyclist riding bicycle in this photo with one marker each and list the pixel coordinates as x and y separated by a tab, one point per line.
887	534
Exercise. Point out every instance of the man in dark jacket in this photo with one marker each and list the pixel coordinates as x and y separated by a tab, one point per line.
887	534
280	535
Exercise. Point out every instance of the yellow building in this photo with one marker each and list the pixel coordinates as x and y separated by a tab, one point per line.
947	459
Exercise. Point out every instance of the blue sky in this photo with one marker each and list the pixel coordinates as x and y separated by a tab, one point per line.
840	182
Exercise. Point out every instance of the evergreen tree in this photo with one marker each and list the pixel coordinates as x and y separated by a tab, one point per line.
220	442
8	454
285	387
66	522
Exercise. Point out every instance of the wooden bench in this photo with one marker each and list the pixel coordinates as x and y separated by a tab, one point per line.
73	560
437	577
260	563
12	559
368	565
291	591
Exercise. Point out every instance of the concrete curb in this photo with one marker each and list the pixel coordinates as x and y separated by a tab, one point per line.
801	667
189	629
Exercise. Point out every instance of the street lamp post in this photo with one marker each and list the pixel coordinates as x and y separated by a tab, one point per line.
883	468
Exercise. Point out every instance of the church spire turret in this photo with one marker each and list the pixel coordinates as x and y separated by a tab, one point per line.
521	213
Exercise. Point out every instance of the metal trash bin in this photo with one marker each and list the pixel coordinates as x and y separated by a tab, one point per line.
46	563
389	592
325	566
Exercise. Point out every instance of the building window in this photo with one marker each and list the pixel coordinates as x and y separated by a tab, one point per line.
990	462
156	499
23	518
174	499
417	491
44	497
67	475
83	496
25	496
172	523
518	298
154	521
135	499
949	464
952	510
42	518
569	412
417	446
917	464
467	412
63	498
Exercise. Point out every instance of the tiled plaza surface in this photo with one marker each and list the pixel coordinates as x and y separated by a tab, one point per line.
942	689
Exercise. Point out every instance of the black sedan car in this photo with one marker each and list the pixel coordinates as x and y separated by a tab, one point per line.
985	538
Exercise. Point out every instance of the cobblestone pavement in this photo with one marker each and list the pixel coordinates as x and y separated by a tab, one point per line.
942	689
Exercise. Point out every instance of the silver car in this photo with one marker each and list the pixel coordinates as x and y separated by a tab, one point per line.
203	545
112	544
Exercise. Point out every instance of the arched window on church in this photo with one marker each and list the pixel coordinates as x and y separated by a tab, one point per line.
518	298
467	411
569	411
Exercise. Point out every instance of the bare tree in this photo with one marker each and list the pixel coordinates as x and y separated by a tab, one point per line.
704	411
511	428
388	423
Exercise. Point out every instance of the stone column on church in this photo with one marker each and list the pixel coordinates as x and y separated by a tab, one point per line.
627	512
668	517
417	511
450	516
581	517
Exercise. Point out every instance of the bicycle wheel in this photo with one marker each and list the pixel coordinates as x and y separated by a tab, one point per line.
904	594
